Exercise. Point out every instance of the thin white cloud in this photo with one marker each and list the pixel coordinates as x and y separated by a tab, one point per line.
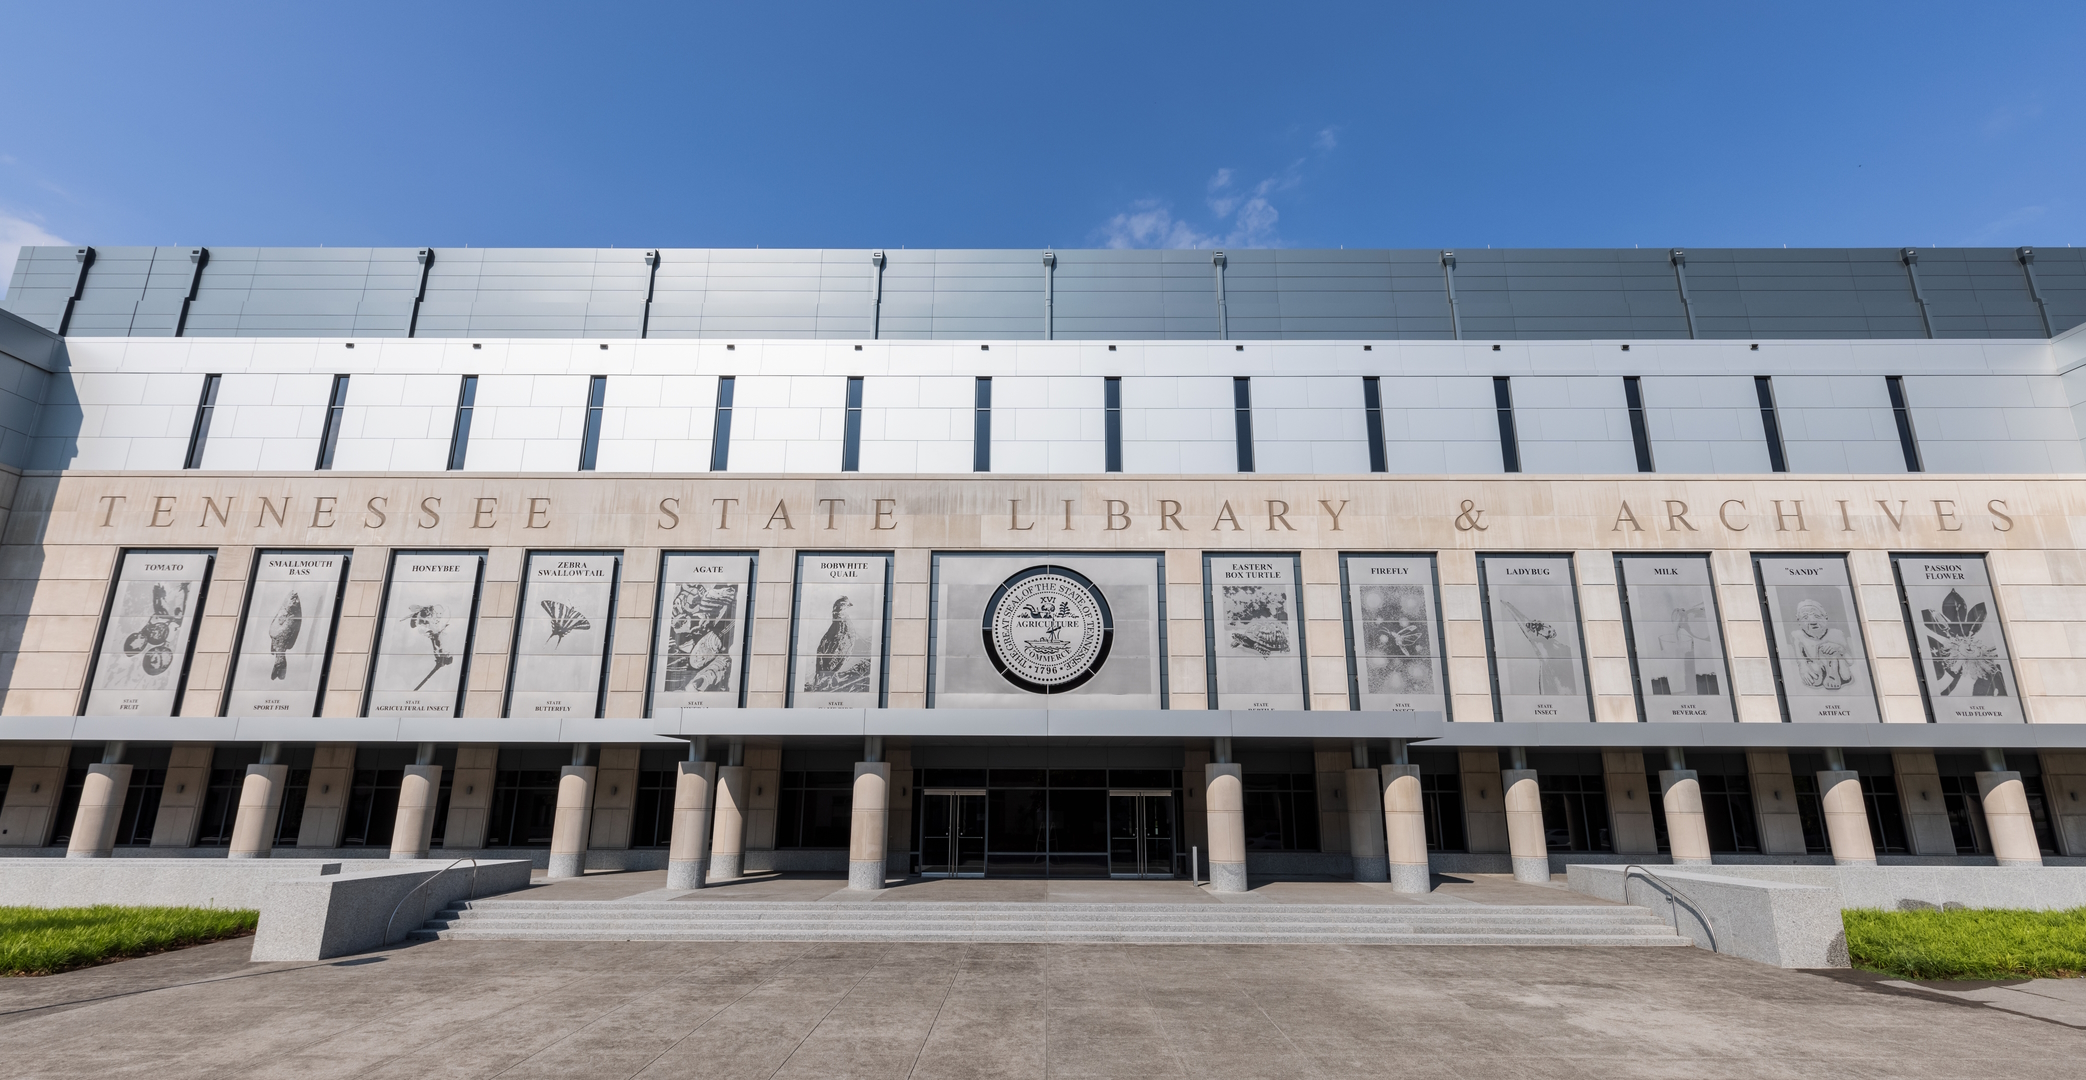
2007	228
15	234
1245	217
1328	139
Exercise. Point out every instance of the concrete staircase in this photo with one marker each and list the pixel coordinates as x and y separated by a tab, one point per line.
1357	924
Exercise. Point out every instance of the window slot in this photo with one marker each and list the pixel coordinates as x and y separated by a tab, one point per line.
199	436
1902	411
1242	413
1770	421
721	434
1372	405
981	431
460	438
1509	442
590	443
851	435
1112	422
335	406
1640	430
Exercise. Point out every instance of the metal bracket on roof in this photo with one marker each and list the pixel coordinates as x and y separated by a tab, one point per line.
1680	278
85	257
1049	293
426	256
201	258
1448	277
2026	257
644	324
1217	261
1910	257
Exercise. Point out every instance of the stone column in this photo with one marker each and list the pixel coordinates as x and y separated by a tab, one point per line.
1846	818
1224	789
1687	833
2006	813
1405	830
260	809
1526	843
688	852
568	831
101	810
1365	825
865	841
728	825
414	831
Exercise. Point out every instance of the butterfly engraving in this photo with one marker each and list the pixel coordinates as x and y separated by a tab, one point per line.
564	619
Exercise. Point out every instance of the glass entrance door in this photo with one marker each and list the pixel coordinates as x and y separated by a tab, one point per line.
952	833
1140	834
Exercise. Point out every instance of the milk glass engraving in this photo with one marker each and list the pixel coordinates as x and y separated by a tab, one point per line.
1532	623
561	639
1814	632
281	667
704	604
145	642
1676	644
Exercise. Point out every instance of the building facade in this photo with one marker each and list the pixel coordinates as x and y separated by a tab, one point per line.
1084	563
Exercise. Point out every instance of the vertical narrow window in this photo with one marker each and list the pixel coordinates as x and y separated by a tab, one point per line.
460	439
1372	405
1112	423
1764	386
981	430
1903	412
590	443
335	406
1509	442
851	436
200	434
1640	432
1242	413
721	434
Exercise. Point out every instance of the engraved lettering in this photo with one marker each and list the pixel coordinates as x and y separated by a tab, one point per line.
536	511
1998	509
162	505
780	513
1782	518
1169	510
323	505
1118	510
674	518
724	512
885	508
1275	515
482	517
831	506
428	517
1723	515
268	508
377	510
1897	520
1014	517
1945	512
1677	516
1227	515
109	503
1623	515
224	514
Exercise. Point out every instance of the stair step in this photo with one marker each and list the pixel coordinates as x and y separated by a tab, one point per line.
1071	936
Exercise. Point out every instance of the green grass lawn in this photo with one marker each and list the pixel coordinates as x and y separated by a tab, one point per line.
1970	943
43	941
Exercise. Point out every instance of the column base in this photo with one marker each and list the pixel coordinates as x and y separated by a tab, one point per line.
866	875
726	865
1532	870
1372	868
86	854
687	875
1694	862
2035	864
1228	877
568	865
248	854
412	855
1853	862
1410	878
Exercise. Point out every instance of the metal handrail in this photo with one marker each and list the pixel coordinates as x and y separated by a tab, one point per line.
431	879
1673	895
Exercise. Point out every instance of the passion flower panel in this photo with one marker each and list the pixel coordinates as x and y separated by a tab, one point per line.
1953	618
561	638
142	661
288	633
1814	634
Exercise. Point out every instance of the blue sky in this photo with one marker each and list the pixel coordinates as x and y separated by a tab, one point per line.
976	125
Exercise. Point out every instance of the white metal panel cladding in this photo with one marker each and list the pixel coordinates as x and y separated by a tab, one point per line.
148	634
562	636
286	637
1959	648
1676	638
1254	626
842	630
1394	634
424	637
1814	634
701	637
1131	677
1532	632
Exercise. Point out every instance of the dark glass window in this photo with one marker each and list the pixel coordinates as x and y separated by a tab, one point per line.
1575	812
1640	431
1727	811
1771	423
590	440
851	435
199	435
1886	814
721	432
1509	440
1281	811
1902	412
816	809
652	819
1242	416
1810	813
1372	408
460	436
1112	423
525	806
1441	803
336	405
1966	814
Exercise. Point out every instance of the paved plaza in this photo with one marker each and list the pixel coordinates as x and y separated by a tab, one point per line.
671	1009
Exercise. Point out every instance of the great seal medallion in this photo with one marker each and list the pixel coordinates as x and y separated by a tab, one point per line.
1048	629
